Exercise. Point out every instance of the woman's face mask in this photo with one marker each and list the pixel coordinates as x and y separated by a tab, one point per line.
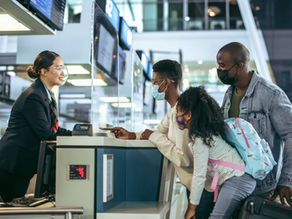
156	94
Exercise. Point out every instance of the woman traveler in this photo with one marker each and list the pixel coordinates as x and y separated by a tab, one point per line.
33	118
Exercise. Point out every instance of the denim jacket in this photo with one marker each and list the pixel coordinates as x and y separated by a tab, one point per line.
269	110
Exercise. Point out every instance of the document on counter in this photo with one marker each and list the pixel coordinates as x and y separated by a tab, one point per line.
108	173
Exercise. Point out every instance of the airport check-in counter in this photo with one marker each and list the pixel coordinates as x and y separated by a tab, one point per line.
111	178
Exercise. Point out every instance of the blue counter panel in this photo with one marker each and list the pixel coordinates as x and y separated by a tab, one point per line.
136	175
143	174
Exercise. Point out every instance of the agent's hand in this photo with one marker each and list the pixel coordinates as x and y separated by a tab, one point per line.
146	134
123	133
285	193
190	213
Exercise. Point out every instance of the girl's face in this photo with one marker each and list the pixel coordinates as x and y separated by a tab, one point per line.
183	119
55	74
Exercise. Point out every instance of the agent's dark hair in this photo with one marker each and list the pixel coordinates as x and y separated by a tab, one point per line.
44	60
207	118
170	69
239	53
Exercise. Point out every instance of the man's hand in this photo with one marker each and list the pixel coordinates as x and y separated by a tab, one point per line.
190	213
123	133
285	193
146	134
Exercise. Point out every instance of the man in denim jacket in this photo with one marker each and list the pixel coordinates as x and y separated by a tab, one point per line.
267	108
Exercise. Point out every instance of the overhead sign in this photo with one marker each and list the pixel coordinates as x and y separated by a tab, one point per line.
113	14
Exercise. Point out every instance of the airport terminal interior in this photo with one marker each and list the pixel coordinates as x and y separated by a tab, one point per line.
109	48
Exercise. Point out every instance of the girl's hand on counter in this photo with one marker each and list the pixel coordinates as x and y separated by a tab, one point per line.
123	133
146	134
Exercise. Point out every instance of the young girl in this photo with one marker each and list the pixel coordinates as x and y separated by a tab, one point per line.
200	113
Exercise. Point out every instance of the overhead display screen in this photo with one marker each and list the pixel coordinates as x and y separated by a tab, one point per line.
149	74
52	11
144	61
105	44
113	14
44	6
126	35
105	49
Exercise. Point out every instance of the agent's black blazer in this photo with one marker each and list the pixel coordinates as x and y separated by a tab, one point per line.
29	123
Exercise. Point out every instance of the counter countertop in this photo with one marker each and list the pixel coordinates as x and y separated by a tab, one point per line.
95	141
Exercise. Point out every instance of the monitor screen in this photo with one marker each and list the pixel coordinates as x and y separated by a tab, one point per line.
149	73
126	35
105	44
144	60
52	11
46	171
121	66
113	14
105	49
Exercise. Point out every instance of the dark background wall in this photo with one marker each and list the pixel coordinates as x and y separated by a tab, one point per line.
274	17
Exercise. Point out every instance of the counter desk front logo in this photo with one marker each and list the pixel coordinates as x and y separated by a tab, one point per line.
77	172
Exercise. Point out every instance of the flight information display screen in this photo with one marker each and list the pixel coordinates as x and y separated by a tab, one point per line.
51	10
44	6
126	34
105	49
113	14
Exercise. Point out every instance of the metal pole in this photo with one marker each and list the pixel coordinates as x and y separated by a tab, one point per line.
68	215
227	9
206	15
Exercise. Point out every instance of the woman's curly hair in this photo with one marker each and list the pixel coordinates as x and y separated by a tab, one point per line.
207	118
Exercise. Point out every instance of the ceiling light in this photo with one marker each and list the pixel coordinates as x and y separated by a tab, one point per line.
8	23
211	13
123	105
115	99
77	70
187	18
11	73
87	82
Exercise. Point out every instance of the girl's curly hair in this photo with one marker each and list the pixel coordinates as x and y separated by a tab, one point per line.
207	118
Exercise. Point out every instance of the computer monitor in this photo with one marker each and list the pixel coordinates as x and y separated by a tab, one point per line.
105	44
125	34
149	73
121	70
46	170
50	11
144	60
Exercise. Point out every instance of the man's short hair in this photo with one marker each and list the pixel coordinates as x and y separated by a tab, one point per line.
239	53
170	69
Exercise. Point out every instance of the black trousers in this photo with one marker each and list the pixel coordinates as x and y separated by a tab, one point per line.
206	205
12	186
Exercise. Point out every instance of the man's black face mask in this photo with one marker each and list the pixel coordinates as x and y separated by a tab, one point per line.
223	76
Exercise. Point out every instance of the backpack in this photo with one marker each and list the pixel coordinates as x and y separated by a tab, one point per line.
254	151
